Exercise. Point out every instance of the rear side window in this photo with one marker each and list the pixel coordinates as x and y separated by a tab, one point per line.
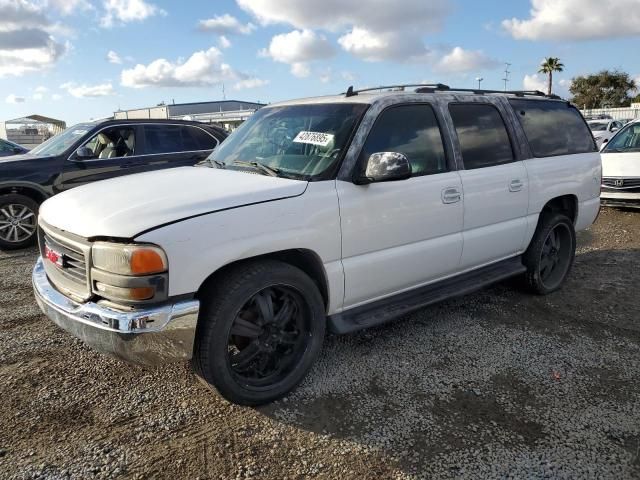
197	139
483	137
553	127
163	139
413	131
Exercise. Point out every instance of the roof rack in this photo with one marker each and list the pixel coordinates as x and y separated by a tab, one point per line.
440	87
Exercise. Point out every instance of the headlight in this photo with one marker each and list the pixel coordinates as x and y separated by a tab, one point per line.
129	274
128	259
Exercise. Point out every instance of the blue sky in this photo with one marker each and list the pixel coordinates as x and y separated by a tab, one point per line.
55	55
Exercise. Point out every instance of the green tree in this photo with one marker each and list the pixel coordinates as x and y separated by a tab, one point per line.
602	90
548	66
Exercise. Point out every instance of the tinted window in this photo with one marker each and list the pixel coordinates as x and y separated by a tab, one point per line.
163	138
5	147
413	131
197	139
483	137
553	127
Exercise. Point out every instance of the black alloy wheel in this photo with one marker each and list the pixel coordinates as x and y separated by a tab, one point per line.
260	329
268	336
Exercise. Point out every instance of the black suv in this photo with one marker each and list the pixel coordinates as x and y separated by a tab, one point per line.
88	152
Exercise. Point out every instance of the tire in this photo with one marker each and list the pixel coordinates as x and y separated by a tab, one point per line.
233	354
18	216
550	255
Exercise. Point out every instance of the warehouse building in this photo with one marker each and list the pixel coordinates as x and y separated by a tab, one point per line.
228	113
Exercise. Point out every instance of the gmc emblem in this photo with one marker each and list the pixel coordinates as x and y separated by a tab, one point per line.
54	257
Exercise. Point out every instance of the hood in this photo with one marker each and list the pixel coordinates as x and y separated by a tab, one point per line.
621	164
126	206
600	133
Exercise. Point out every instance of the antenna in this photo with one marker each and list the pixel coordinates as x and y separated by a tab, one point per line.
224	95
506	75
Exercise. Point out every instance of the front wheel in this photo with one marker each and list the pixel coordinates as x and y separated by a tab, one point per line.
18	221
260	330
550	254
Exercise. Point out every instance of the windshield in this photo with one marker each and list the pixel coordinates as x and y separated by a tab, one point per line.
627	140
298	141
58	144
598	126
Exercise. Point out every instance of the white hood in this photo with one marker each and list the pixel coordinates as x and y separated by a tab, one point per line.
621	164
124	207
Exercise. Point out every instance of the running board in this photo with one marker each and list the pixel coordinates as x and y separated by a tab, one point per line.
382	311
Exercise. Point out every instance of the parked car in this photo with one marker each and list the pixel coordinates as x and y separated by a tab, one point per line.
8	148
88	152
621	168
603	130
336	213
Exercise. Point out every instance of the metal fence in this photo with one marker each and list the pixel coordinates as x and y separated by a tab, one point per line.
614	113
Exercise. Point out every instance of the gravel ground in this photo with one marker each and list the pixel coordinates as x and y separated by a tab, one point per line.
493	385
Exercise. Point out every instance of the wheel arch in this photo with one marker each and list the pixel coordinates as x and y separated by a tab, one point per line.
566	204
306	260
33	191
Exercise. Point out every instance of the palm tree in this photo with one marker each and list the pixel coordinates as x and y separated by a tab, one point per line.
548	66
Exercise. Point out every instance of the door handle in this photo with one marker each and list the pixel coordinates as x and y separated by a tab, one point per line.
451	195
516	185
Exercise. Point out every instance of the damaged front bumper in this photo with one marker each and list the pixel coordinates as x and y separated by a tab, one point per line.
149	336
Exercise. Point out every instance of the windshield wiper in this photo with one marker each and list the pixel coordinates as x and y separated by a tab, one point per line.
217	163
260	166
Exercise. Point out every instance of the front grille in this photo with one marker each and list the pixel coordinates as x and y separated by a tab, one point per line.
71	274
621	183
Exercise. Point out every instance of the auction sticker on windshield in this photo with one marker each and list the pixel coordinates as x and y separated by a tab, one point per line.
314	138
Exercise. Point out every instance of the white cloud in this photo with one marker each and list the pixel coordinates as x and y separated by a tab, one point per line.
577	20
113	57
534	82
88	91
333	15
203	68
56	96
250	83
127	11
225	25
68	7
377	29
374	46
27	43
14	99
460	60
223	42
300	70
297	48
39	92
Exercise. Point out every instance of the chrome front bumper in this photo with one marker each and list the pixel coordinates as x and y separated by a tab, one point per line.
152	336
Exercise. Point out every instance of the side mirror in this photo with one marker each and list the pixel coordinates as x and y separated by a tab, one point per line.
385	167
84	153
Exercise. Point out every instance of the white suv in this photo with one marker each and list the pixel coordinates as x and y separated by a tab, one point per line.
336	213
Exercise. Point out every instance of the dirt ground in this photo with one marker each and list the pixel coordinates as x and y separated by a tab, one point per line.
497	384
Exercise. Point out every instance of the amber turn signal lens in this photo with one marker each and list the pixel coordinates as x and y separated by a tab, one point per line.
121	293
146	261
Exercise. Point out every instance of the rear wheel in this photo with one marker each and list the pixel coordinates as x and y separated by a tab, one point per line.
260	330
550	255
18	221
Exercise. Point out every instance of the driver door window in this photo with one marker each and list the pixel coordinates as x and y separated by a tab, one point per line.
113	142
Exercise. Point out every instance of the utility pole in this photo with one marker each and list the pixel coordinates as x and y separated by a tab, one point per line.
506	75
479	80
224	95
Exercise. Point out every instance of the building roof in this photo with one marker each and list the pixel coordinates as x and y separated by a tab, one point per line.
37	119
